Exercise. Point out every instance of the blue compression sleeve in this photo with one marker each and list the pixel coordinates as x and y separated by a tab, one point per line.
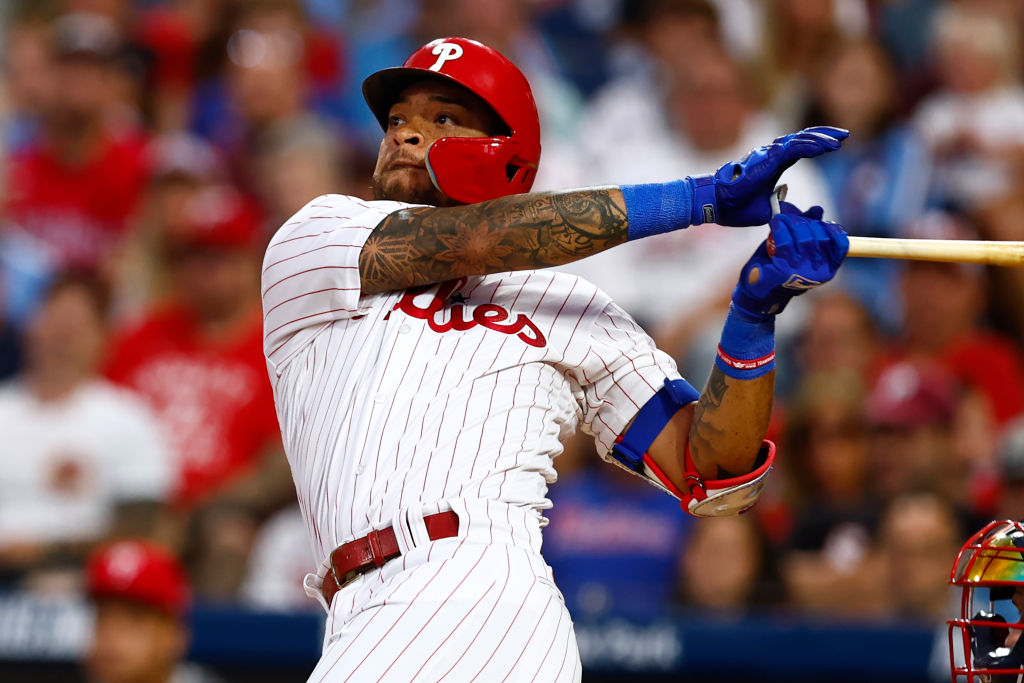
654	208
747	348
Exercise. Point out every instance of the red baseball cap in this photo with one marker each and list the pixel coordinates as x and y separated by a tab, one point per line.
218	217
139	571
910	395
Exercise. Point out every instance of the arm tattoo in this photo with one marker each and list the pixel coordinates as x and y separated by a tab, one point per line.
426	245
704	432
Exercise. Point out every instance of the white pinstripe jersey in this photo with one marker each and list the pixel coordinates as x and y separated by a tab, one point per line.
456	391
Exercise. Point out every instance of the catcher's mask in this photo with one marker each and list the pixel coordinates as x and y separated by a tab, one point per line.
989	569
470	170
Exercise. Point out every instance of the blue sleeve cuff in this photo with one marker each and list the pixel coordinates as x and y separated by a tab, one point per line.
654	208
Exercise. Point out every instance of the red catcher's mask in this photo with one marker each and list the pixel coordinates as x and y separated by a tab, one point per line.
989	569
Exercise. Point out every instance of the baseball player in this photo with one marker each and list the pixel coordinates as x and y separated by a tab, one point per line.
425	373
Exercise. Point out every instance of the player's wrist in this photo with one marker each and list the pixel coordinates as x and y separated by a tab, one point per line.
757	308
704	207
747	346
655	208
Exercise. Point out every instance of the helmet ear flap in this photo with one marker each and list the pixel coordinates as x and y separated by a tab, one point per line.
471	170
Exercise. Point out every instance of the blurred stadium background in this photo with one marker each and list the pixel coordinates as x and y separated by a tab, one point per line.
149	148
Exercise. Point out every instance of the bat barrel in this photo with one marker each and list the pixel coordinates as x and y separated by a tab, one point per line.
993	253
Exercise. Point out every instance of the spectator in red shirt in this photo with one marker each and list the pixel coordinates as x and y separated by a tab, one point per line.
198	358
943	303
73	190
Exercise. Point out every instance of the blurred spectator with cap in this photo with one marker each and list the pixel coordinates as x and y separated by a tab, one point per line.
73	190
910	412
182	165
81	458
943	307
197	358
141	597
915	412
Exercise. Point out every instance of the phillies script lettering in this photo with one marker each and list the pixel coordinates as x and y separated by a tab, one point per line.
491	316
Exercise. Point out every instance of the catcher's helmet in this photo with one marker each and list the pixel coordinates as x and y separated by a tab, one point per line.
989	569
470	169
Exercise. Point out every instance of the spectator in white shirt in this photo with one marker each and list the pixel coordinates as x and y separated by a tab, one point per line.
974	123
77	453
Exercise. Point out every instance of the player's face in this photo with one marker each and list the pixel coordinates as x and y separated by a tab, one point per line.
424	113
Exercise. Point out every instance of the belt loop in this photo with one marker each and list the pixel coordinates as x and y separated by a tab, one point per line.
373	539
412	520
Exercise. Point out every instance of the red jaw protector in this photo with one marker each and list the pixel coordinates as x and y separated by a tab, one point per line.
471	170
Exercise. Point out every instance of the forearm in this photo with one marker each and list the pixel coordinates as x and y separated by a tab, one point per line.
729	424
426	245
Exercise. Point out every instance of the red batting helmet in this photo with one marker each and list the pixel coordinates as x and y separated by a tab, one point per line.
470	169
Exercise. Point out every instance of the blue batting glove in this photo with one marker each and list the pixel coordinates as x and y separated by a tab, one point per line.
802	252
737	194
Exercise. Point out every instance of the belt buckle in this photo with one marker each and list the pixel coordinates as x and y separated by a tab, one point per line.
346	578
349	577
334	576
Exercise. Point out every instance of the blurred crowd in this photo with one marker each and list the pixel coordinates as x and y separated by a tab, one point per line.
150	148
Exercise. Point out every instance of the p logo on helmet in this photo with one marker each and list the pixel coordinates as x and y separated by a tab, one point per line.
466	169
445	52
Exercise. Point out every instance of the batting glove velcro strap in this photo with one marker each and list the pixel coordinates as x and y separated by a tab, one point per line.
717	497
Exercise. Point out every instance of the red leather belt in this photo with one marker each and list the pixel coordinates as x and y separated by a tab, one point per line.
357	557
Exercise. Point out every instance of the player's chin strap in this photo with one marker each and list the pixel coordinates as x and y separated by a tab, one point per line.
700	498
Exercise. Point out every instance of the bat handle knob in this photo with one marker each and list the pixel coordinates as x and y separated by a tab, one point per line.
778	195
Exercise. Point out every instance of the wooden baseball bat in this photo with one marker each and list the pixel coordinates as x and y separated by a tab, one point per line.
989	253
985	252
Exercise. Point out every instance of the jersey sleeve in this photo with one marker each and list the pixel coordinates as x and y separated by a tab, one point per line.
621	371
311	270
